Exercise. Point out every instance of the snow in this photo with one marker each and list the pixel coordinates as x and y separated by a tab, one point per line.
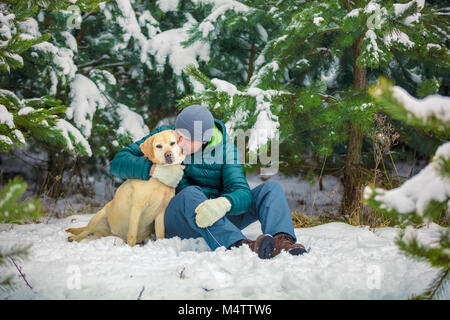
265	70
344	262
62	58
68	131
266	125
146	19
85	99
225	86
102	77
30	28
429	184
372	46
412	18
6	117
318	20
397	36
220	8
205	28
130	27
167	46
19	136
163	46
433	46
167	5
262	32
7	28
131	122
400	8
431	106
372	7
6	140
416	193
25	111
70	41
354	13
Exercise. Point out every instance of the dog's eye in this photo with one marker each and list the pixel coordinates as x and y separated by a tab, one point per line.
172	143
159	146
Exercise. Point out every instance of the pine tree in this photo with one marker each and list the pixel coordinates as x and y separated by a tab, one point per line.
324	54
425	197
38	118
13	211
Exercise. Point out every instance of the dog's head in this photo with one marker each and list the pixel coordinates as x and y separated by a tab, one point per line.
162	148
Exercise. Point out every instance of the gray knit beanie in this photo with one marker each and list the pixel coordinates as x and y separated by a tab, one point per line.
196	122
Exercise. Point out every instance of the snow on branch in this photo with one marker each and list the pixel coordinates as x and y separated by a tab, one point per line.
432	112
85	99
416	194
425	195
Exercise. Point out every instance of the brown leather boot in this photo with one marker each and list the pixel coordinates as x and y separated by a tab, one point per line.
264	245
283	241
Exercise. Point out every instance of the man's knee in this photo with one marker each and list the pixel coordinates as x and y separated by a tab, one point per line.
191	193
186	200
272	186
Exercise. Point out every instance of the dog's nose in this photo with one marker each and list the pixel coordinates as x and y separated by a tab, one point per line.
168	156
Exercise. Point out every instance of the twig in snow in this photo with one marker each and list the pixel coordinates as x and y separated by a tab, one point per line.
182	273
140	294
21	274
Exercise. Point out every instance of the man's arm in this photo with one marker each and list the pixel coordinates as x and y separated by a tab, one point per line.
130	162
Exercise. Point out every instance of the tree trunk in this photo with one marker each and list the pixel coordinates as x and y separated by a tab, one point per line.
52	185
352	172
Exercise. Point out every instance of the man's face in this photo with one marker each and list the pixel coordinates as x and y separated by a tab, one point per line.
187	145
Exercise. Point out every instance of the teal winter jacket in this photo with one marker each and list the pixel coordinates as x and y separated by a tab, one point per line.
216	169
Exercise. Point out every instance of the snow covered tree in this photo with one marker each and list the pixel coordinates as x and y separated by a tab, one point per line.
29	60
425	197
322	55
121	64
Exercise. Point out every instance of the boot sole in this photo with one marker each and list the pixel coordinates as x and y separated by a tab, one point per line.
266	247
297	251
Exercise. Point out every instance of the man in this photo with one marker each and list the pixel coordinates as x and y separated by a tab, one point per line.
213	199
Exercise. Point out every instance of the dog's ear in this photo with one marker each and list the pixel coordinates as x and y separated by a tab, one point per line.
147	148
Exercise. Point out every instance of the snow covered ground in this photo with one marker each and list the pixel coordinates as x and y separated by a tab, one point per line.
345	262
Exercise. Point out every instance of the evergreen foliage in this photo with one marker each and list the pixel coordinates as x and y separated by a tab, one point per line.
425	197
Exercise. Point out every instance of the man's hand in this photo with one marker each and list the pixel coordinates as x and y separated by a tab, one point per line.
211	210
169	174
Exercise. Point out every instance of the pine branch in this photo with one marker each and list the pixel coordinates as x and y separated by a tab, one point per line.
436	288
7	257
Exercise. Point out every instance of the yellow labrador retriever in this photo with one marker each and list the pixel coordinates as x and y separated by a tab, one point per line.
138	205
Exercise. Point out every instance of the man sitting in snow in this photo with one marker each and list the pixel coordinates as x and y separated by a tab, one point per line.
213	199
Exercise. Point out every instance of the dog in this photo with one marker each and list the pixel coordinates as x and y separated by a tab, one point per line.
138	206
